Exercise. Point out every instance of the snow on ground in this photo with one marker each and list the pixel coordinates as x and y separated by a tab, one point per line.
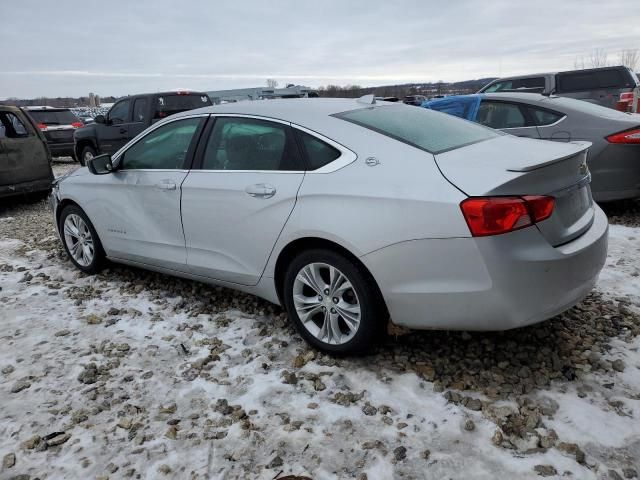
129	374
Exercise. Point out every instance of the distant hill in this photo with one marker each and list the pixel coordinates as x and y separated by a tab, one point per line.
54	102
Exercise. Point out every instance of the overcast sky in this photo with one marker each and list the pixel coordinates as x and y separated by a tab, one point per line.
119	47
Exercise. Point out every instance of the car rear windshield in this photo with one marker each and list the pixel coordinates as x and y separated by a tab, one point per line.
175	103
53	117
585	80
428	130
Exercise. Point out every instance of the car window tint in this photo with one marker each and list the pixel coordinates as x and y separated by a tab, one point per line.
545	117
500	115
119	112
250	144
574	82
318	153
12	126
420	127
139	109
165	148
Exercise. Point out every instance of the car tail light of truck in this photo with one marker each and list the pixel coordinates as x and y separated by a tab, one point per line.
627	136
42	127
496	215
77	124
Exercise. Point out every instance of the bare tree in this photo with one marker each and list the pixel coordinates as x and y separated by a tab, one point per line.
598	58
272	83
630	58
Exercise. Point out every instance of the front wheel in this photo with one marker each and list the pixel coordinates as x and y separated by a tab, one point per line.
80	240
87	154
333	302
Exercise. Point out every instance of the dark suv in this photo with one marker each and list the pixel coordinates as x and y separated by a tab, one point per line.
613	87
128	117
57	125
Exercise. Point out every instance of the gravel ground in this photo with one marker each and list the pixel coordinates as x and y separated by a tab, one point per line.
132	374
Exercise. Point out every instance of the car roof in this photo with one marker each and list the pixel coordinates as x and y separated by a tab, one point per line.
303	111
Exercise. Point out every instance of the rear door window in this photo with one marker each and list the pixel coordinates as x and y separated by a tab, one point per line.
140	110
250	144
431	131
502	115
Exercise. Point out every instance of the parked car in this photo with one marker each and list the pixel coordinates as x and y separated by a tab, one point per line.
414	100
614	155
58	126
612	87
344	212
25	160
128	117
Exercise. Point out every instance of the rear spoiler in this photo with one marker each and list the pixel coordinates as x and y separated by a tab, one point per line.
582	147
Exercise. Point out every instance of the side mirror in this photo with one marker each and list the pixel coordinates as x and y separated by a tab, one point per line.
100	119
101	165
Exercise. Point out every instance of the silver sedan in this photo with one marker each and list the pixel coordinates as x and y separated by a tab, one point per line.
348	213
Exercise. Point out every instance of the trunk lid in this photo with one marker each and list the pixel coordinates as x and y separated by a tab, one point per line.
512	166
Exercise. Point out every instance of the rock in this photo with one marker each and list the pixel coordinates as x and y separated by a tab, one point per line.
613	475
172	432
630	473
474	404
9	460
31	443
289	378
318	386
346	398
20	386
22	476
426	371
93	319
62	333
164	469
369	409
497	438
618	365
545	470
400	453
56	438
169	408
312	405
89	375
8	369
469	425
301	360
276	462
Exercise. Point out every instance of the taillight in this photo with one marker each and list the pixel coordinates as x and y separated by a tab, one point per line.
42	126
626	97
628	136
496	215
76	124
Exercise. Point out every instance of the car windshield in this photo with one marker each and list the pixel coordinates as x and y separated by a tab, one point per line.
428	130
53	117
174	103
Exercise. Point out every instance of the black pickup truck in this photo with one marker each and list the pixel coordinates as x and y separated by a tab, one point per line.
128	117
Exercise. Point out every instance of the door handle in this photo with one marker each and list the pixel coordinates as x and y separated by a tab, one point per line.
123	130
166	185
261	190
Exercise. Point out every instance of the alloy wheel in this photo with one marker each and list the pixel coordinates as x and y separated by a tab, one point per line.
78	239
87	156
326	303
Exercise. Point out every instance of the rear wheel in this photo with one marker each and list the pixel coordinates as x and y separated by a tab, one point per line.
87	154
333	302
80	240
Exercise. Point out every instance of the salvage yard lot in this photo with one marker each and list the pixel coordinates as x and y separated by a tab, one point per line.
132	374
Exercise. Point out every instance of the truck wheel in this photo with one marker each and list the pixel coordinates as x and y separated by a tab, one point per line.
87	154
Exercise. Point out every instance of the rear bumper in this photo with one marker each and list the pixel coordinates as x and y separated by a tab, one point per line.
34	186
61	149
491	283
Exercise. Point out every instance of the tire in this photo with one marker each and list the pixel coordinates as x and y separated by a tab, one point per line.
327	322
80	257
87	153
